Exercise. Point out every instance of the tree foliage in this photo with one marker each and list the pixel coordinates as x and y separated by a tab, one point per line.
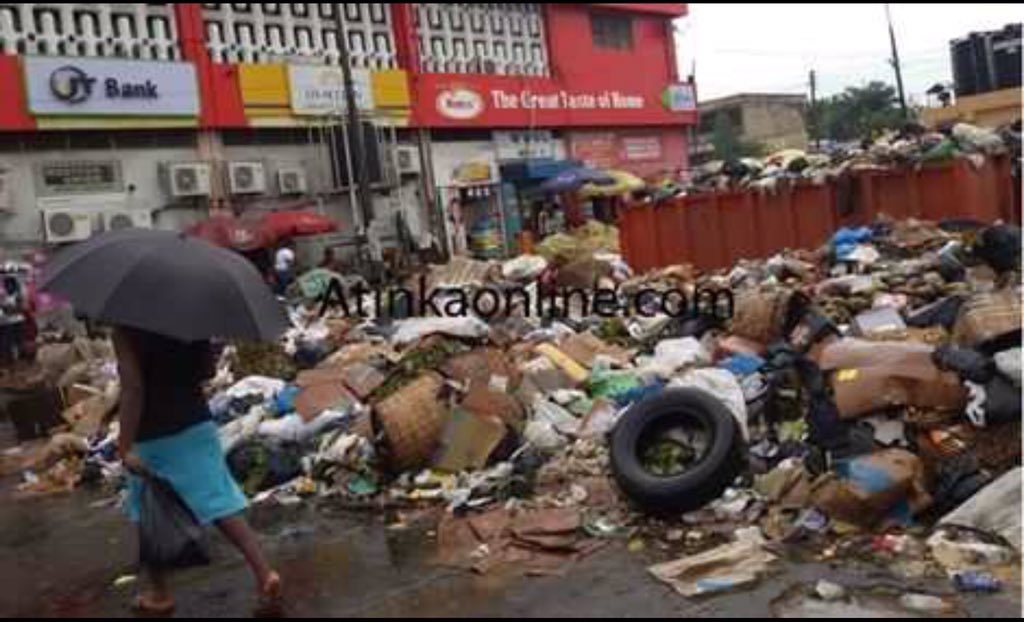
728	144
857	113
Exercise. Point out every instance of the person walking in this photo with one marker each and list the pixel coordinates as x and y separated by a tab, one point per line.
284	267
167	295
167	431
12	320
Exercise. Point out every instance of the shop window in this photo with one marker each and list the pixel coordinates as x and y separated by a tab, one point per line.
612	32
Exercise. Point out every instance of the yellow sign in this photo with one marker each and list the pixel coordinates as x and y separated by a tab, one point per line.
266	95
391	89
264	86
473	173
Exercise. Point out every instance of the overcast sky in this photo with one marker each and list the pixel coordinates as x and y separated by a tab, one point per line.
771	47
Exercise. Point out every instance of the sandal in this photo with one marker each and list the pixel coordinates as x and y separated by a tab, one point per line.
150	606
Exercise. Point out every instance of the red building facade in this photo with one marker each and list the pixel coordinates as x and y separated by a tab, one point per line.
476	85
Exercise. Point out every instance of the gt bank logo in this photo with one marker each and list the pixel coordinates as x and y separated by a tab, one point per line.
70	84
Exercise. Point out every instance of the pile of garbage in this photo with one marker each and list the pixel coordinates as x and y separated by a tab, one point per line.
909	147
849	396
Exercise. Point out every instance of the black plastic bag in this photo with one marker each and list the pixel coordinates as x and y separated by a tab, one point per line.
967	363
170	537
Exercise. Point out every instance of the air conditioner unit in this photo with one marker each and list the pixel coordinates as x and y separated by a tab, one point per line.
67	225
407	160
188	179
247	178
128	219
291	181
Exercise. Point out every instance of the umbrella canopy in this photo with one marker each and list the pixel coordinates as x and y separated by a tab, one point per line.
575	178
232	232
625	183
166	283
288	224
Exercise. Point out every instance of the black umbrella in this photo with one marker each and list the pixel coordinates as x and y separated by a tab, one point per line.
166	283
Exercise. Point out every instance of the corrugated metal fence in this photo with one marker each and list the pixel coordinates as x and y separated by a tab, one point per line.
713	230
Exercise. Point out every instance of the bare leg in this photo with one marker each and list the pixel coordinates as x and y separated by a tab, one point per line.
238	532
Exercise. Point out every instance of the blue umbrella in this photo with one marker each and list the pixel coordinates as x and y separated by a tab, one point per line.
573	179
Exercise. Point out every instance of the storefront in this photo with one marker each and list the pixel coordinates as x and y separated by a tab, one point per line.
102	133
529	129
310	100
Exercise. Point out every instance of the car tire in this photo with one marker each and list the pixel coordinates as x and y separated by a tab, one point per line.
721	461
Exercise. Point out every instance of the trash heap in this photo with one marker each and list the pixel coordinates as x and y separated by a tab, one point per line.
909	147
850	398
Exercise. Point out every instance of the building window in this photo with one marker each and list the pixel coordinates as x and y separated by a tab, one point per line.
612	32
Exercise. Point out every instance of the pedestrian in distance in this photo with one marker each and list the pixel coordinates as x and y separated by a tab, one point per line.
284	267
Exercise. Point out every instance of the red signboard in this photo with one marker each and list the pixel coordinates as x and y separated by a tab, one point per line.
641	148
670	9
655	153
447	100
595	149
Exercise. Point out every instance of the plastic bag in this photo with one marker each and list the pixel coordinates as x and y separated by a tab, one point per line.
293	428
524	267
414	329
170	537
673	354
722	385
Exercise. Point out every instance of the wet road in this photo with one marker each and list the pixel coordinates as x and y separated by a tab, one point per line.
60	557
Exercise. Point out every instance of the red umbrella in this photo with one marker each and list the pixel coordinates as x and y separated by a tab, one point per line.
231	232
288	224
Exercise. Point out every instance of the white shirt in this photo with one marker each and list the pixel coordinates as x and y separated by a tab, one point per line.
284	260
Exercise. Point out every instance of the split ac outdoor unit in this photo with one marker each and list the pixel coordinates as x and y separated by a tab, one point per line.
247	178
128	219
407	160
189	179
291	181
67	225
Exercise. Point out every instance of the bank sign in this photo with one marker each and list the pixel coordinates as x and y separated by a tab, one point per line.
98	87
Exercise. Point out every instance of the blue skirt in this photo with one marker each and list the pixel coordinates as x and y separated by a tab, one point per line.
193	462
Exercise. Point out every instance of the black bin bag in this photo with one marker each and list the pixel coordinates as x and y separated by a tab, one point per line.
170	537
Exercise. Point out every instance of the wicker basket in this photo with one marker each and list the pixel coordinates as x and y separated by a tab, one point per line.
413	421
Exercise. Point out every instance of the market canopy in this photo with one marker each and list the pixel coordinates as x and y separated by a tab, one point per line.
573	179
246	234
625	183
231	232
297	223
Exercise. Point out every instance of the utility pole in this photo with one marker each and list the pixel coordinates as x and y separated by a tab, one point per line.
896	63
356	135
815	129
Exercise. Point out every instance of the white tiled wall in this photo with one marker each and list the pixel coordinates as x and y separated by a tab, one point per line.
502	39
300	32
113	30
